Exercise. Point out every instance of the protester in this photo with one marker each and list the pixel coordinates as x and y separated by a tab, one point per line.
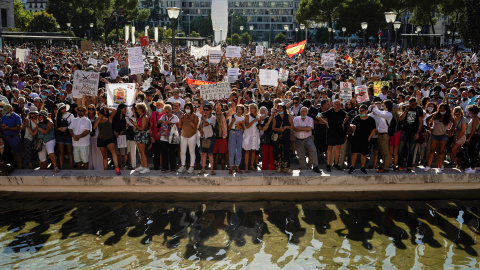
207	141
303	126
80	128
167	123
188	140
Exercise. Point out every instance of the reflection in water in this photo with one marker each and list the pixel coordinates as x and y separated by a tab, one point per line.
255	235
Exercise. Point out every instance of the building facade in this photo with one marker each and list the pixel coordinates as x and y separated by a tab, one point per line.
6	14
268	18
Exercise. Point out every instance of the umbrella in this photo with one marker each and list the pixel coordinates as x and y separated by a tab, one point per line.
425	67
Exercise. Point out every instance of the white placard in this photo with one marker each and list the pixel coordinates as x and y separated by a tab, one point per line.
259	50
362	93
135	60
268	77
92	61
233	51
170	78
85	83
328	60
199	52
112	69
20	54
214	56
122	141
232	75
345	91
215	91
118	93
283	74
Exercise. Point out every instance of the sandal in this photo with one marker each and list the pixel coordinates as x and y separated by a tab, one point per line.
212	172
253	168
238	170
202	171
246	171
230	171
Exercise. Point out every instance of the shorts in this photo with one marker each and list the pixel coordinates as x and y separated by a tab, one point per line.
395	139
207	150
361	147
440	138
48	148
61	139
105	143
80	154
15	144
462	140
220	146
374	144
335	140
123	151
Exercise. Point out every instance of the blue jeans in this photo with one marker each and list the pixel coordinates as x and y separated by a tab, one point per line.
407	143
235	141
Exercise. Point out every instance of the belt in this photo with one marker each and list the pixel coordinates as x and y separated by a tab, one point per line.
13	136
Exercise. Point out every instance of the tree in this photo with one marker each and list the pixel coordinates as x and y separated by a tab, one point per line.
353	12
246	38
22	16
202	25
280	38
236	39
470	23
42	22
318	11
456	9
424	14
194	34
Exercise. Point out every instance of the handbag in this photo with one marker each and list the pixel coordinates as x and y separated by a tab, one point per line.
206	143
37	144
275	134
174	137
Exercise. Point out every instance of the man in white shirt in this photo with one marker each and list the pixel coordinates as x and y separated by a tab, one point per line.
80	129
303	126
383	137
176	97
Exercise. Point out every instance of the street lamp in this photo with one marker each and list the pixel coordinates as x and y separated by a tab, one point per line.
285	27
91	31
333	36
302	27
188	24
396	26
241	28
390	18
329	31
343	30
419	29
296	34
221	37
173	13
231	29
448	33
251	31
364	29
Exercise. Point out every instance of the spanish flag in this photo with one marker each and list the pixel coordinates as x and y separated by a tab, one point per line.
348	59
295	48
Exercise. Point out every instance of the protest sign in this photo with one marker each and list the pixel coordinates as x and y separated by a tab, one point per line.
268	77
362	93
118	93
135	60
345	91
233	51
328	60
232	75
20	54
170	78
198	82
283	74
214	56
144	41
33	56
85	83
92	61
112	69
215	91
199	52
377	87
3	58
259	50
86	46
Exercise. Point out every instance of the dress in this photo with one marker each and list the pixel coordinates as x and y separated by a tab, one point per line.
95	159
251	135
141	136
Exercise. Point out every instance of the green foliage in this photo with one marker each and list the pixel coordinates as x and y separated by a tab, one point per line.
280	38
194	34
228	40
202	25
246	38
237	22
470	23
22	17
354	12
423	14
42	22
318	10
236	39
321	35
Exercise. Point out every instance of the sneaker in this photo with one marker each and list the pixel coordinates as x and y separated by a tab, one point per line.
363	170
399	168
139	169
287	170
427	169
182	169
409	170
117	171
212	172
442	168
317	170
56	170
145	170
202	171
329	168
469	170
337	167
352	169
190	170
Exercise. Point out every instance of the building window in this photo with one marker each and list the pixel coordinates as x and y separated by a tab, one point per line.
3	14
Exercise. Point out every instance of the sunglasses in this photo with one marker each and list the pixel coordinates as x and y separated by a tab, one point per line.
91	109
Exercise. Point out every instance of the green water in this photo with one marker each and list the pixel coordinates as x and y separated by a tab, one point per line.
41	234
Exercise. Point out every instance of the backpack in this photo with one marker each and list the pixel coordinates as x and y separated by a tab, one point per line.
392	127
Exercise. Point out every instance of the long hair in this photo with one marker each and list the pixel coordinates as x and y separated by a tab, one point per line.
445	119
120	107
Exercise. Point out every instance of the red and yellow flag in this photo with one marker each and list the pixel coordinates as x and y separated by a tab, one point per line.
348	59
295	48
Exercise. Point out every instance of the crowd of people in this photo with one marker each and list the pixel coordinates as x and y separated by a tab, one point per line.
429	108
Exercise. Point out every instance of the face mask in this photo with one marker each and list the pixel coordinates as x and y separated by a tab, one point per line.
8	114
262	115
159	110
303	117
188	110
430	109
390	70
442	113
363	115
280	113
139	101
44	97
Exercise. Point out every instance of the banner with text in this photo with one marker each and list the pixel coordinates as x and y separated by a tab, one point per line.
233	51
85	83
268	77
362	93
214	56
135	60
215	91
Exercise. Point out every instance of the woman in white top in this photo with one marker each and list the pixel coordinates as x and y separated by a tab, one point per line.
30	126
251	137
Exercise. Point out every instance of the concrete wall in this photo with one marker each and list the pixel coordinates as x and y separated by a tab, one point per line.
8	5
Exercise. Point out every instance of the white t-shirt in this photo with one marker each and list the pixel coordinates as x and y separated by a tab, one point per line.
78	126
172	100
235	120
173	118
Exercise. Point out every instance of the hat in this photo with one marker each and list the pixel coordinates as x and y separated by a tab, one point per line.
7	108
43	113
54	68
33	109
150	91
472	91
160	101
62	105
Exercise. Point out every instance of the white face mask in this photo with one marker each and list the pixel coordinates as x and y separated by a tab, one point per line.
262	115
429	109
188	110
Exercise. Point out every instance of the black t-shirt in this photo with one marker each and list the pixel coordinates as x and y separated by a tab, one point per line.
363	128
268	104
335	122
410	122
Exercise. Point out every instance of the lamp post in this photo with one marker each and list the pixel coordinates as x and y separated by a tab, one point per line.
329	31
296	34
448	32
231	29
364	29
302	27
343	30
91	31
396	26
69	25
221	37
419	29
173	13
188	24
285	27
390	18
251	32
333	36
